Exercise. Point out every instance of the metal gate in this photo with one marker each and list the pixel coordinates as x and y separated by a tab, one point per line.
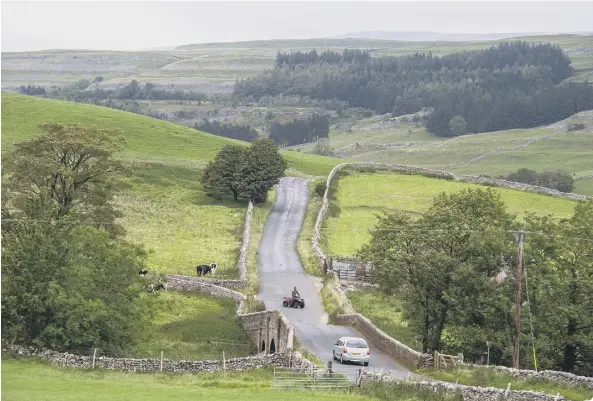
351	269
319	379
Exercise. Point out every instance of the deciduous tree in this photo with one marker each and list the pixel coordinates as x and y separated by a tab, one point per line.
442	262
73	167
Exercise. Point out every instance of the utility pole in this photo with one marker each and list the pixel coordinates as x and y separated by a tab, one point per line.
518	285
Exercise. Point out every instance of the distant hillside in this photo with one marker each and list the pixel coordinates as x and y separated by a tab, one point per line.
434	36
400	141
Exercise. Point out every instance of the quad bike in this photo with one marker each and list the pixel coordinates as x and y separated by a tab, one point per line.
293	302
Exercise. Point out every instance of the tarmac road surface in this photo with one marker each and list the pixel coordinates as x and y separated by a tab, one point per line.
280	270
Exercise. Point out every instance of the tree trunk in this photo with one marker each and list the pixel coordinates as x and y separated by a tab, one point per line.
235	194
440	325
570	350
425	333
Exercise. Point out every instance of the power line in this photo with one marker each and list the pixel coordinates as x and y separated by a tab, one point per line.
357	228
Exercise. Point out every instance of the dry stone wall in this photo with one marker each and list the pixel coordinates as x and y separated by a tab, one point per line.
166	365
397	350
189	283
551	375
353	286
469	393
520	186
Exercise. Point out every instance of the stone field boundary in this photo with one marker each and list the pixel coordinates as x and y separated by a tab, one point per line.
469	393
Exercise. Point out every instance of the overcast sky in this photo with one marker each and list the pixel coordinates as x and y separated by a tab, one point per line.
119	25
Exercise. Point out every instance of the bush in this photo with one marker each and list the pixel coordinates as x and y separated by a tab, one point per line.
320	188
576	127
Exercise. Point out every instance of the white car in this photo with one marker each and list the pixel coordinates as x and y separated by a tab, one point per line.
353	349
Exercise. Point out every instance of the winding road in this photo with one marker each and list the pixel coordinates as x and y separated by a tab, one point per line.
280	270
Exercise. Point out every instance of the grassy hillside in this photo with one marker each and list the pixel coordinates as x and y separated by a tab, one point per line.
148	139
165	206
387	140
361	195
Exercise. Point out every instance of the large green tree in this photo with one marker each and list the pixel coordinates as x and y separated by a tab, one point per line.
71	166
441	264
225	172
247	171
263	169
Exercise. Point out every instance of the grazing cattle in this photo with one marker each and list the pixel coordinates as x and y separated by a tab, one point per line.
202	270
143	272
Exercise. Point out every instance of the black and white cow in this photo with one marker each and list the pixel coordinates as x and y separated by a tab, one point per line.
143	272
202	270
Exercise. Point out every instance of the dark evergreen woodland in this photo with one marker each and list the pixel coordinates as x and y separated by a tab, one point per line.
510	85
235	131
300	131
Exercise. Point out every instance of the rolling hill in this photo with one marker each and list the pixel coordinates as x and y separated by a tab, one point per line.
164	204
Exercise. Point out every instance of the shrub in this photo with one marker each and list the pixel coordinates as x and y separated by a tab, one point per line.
320	188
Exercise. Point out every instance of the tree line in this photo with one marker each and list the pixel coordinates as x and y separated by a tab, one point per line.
236	131
300	131
509	85
80	93
558	180
453	269
293	58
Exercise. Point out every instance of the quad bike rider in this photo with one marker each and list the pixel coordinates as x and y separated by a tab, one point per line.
295	300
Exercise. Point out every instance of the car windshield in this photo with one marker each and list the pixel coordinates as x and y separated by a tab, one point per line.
356	344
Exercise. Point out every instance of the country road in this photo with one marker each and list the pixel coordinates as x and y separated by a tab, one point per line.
280	270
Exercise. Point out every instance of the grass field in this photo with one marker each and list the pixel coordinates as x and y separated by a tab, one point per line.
28	380
164	204
35	381
492	378
361	195
192	326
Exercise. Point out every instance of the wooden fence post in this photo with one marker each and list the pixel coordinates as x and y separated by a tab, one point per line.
161	361
94	355
223	361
